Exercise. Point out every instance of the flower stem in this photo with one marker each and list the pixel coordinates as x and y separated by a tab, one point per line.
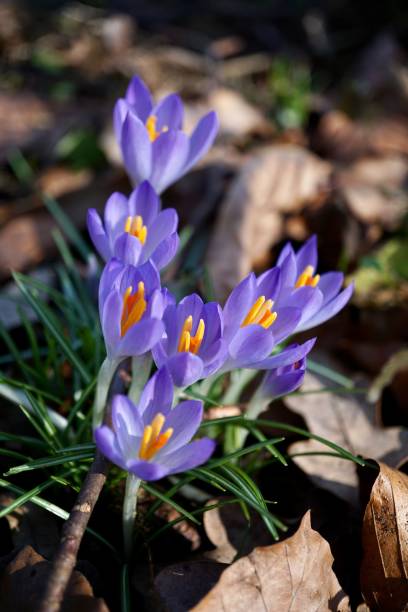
141	367
129	512
106	373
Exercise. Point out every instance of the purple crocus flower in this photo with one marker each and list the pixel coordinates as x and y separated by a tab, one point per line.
252	324
153	145
288	371
152	440
192	347
134	229
320	297
131	306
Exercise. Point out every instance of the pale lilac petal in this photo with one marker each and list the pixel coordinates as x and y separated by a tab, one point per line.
276	386
138	97
307	255
192	305
170	151
149	274
140	338
120	111
116	212
286	322
98	234
214	357
287	356
169	113
238	304
190	456
269	283
250	344
128	248
156	305
329	310
289	269
106	442
166	251
145	202
163	226
110	321
184	419
136	148
147	470
212	317
308	299
124	412
157	396
287	250
202	138
330	285
185	369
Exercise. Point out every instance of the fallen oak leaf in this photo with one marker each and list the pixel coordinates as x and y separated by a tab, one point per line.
384	568
349	422
294	575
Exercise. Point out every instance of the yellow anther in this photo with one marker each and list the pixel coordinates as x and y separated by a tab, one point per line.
151	128
187	342
306	279
134	226
260	313
133	308
153	440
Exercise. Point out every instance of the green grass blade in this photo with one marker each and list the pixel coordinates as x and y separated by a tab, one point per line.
164	498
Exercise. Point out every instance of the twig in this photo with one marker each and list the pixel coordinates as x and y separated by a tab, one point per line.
72	533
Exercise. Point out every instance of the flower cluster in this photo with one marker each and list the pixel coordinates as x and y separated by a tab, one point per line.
191	340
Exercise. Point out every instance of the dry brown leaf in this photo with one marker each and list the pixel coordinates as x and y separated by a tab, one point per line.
24	579
384	569
295	575
348	421
229	531
373	190
276	180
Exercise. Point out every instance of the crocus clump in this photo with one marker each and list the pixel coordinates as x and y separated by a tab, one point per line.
134	229
151	138
151	439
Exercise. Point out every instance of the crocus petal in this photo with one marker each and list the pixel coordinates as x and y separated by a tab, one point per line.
140	338
184	419
250	344
191	305
166	251
275	386
169	113
145	202
289	271
287	356
170	151
214	357
106	442
238	304
269	283
136	148
98	234
329	310
286	322
201	139
110	321
138	97
128	248
110	279
120	111
287	250
149	274
147	470
116	211
157	395
308	299
188	457
185	369
330	285
307	255
163	225
124	411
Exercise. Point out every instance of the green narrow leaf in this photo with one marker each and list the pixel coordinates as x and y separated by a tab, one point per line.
169	501
67	227
46	462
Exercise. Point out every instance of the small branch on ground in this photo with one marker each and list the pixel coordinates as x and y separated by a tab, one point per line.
72	533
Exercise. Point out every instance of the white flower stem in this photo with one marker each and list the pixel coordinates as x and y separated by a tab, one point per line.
239	380
141	367
106	373
129	512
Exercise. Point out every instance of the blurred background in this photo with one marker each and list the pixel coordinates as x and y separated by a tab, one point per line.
312	100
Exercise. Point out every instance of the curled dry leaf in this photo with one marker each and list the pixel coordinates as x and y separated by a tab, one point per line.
348	421
384	569
276	180
295	575
24	579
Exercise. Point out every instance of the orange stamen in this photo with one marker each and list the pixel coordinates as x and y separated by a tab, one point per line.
153	440
151	128
187	342
133	309
134	226
260	313
306	279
